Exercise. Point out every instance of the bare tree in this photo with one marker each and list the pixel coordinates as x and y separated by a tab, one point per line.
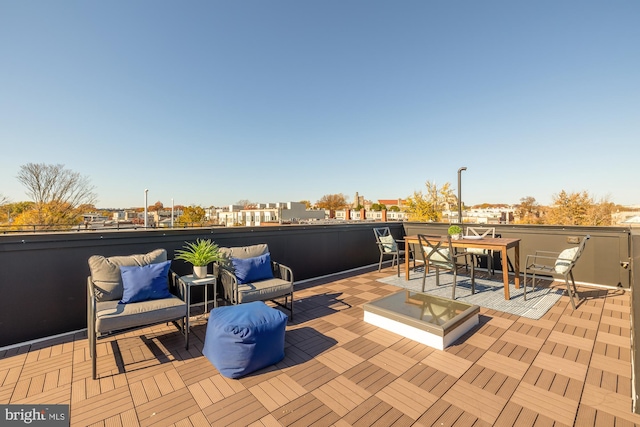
246	204
57	192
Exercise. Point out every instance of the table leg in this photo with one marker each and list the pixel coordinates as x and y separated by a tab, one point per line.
505	274
516	266
188	314
406	260
215	293
206	301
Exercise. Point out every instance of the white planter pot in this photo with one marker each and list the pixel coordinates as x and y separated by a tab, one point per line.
200	271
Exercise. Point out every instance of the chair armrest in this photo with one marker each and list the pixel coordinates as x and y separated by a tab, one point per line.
91	300
460	254
284	272
228	280
178	287
90	289
227	277
547	253
539	259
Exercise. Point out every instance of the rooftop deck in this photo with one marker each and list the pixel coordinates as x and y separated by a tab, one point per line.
568	368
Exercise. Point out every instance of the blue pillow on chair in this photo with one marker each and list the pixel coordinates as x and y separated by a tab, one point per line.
145	282
249	270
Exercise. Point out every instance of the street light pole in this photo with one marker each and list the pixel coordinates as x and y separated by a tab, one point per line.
146	223
460	193
171	213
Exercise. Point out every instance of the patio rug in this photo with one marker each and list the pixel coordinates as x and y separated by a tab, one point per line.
489	293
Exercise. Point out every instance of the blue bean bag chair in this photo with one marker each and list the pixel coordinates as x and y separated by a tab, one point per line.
243	338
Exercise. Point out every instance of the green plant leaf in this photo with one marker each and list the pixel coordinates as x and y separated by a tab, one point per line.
199	253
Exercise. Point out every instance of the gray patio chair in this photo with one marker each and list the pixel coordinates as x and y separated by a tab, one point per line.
555	264
388	246
438	252
248	274
144	297
476	253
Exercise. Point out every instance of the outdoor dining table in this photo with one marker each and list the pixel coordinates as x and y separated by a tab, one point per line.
500	244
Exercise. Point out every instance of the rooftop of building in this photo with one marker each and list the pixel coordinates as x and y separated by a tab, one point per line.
569	368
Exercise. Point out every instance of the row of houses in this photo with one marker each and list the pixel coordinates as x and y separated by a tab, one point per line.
265	214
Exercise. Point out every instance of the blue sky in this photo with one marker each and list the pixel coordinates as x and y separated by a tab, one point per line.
211	102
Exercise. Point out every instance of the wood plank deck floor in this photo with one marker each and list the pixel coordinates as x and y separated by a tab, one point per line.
570	368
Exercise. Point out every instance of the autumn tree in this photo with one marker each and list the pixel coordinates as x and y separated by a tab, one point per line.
15	209
192	215
420	208
156	207
332	202
529	211
57	194
306	203
578	209
601	213
48	216
4	208
87	208
428	206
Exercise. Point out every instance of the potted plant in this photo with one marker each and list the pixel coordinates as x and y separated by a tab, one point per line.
455	232
200	254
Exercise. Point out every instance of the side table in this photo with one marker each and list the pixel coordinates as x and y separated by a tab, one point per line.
190	280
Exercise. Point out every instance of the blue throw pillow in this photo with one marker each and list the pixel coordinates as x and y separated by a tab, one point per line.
253	269
145	282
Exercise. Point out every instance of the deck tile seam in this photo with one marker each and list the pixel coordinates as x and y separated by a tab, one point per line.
531	366
584	382
19	373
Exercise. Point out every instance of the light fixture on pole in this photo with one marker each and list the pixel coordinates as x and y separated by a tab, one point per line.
460	193
146	222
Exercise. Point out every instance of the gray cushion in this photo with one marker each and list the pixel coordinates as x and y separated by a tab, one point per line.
113	316
264	290
242	252
105	271
245	251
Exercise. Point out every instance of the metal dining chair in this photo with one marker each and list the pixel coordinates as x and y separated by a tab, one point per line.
476	253
388	246
555	264
437	251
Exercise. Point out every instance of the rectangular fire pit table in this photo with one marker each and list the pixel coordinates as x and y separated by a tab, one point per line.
428	319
